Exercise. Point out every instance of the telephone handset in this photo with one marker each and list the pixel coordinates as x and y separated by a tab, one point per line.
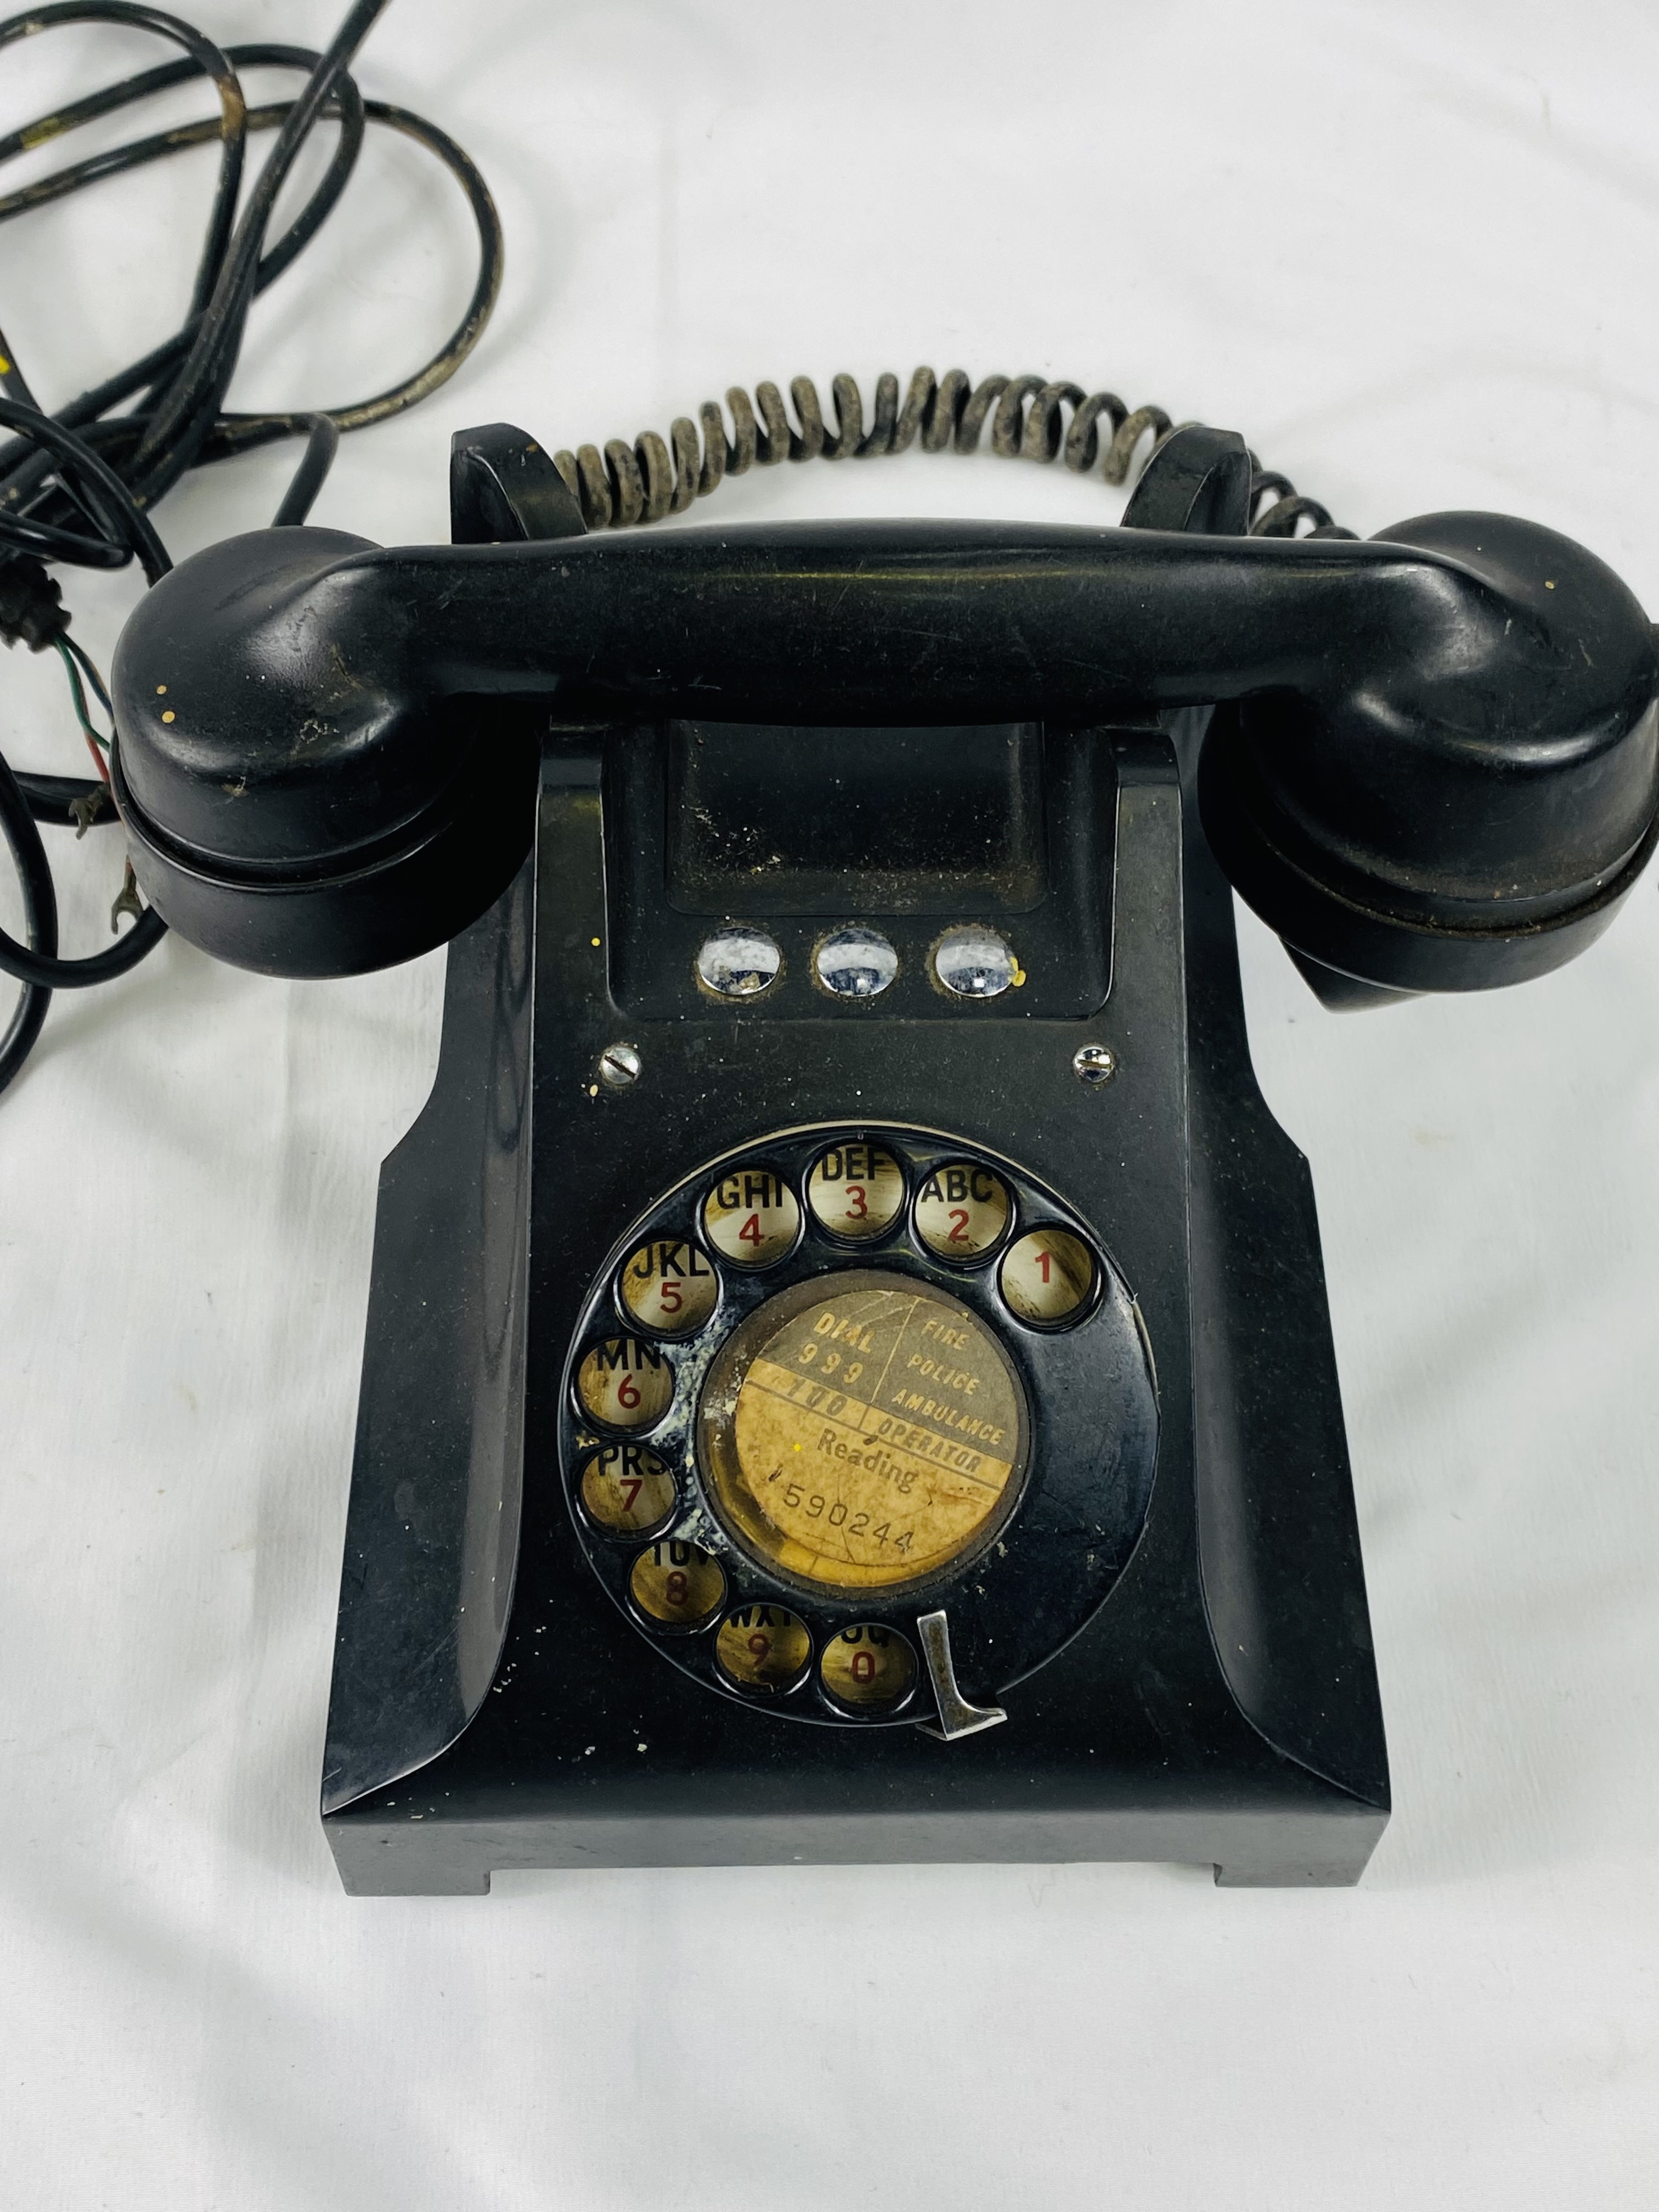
1433	766
845	1274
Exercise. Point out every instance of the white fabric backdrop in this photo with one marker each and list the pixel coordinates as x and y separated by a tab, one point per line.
1411	251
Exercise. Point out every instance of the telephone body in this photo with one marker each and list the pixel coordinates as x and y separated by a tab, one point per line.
848	1374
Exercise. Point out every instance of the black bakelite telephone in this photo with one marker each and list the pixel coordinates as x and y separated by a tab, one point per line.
845	1273
845	1292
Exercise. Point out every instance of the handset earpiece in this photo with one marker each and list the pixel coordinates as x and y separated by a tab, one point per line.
1452	856
1459	842
326	847
282	812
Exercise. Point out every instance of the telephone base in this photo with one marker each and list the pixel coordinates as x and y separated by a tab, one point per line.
493	1709
1318	1847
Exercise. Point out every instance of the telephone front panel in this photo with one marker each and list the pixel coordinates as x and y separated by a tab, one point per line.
1069	1226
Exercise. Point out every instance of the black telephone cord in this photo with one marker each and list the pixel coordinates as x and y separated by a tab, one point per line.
40	921
77	486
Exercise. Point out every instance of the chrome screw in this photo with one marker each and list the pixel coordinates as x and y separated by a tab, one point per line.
619	1065
1095	1063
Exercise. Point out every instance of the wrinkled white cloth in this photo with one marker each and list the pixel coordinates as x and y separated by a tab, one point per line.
1412	252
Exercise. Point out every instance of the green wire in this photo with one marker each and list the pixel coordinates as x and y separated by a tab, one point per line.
69	653
91	667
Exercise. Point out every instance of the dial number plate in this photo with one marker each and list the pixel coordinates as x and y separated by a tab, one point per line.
836	1381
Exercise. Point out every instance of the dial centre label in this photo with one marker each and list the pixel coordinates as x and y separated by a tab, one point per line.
865	1432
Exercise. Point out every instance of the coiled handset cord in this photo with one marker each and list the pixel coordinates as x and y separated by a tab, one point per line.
1032	418
78	487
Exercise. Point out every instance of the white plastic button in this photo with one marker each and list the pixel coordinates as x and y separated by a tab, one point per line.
973	962
854	963
739	963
